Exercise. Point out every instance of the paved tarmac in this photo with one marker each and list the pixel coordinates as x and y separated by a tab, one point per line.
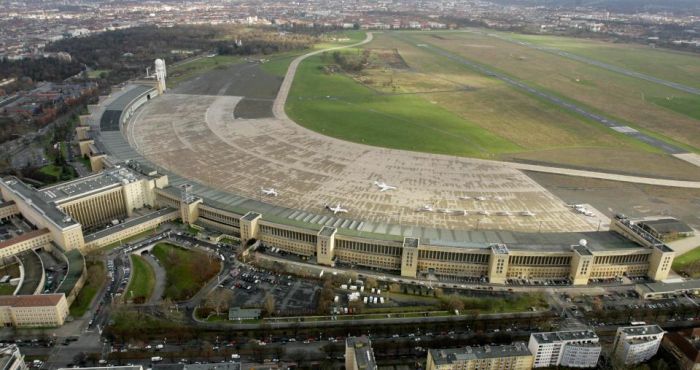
159	287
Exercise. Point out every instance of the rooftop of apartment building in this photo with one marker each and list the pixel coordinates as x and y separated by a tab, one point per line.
559	336
364	356
640	330
453	355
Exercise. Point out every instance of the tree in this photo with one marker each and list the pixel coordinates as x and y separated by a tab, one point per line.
370	283
259	353
279	352
269	305
219	300
331	349
455	304
298	357
79	358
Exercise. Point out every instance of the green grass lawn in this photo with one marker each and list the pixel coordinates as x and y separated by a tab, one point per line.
672	65
186	270
51	170
277	65
96	275
143	279
337	106
97	72
688	263
7	289
689	106
618	96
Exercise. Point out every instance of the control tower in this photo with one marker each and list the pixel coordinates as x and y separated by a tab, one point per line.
160	75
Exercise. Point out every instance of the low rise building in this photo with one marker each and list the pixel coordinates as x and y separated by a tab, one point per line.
515	356
35	239
41	310
575	348
359	354
635	344
238	314
660	290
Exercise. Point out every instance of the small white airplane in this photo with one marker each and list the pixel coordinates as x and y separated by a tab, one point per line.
484	213
270	191
337	209
480	198
383	186
426	208
527	213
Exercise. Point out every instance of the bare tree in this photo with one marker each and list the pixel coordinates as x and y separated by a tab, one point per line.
269	304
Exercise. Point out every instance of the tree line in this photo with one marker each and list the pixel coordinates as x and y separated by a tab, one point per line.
126	53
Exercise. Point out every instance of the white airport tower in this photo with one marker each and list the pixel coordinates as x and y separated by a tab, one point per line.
161	73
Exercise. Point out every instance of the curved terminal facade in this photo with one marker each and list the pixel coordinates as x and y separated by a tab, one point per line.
131	182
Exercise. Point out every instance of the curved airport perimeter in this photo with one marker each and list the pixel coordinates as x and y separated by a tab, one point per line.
188	157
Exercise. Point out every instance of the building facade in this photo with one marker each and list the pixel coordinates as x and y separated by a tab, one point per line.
514	356
41	310
577	348
68	211
359	354
11	358
635	344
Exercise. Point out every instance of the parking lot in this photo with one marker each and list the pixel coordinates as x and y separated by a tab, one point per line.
292	295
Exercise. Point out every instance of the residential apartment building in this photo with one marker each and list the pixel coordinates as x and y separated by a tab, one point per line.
359	354
635	344
576	348
12	359
514	356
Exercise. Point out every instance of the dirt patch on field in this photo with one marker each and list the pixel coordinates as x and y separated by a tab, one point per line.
253	108
387	58
634	200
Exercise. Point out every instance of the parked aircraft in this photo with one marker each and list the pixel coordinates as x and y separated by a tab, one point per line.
337	209
270	191
383	186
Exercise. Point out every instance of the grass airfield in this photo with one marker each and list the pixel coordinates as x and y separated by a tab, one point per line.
409	98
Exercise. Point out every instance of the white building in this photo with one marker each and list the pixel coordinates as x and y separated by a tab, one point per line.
576	348
11	359
635	344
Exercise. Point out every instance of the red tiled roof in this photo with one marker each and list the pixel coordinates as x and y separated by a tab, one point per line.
30	300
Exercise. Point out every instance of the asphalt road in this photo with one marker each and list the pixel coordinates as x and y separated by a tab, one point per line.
571	107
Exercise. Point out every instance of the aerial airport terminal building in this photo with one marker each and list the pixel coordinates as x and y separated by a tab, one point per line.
126	187
65	213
